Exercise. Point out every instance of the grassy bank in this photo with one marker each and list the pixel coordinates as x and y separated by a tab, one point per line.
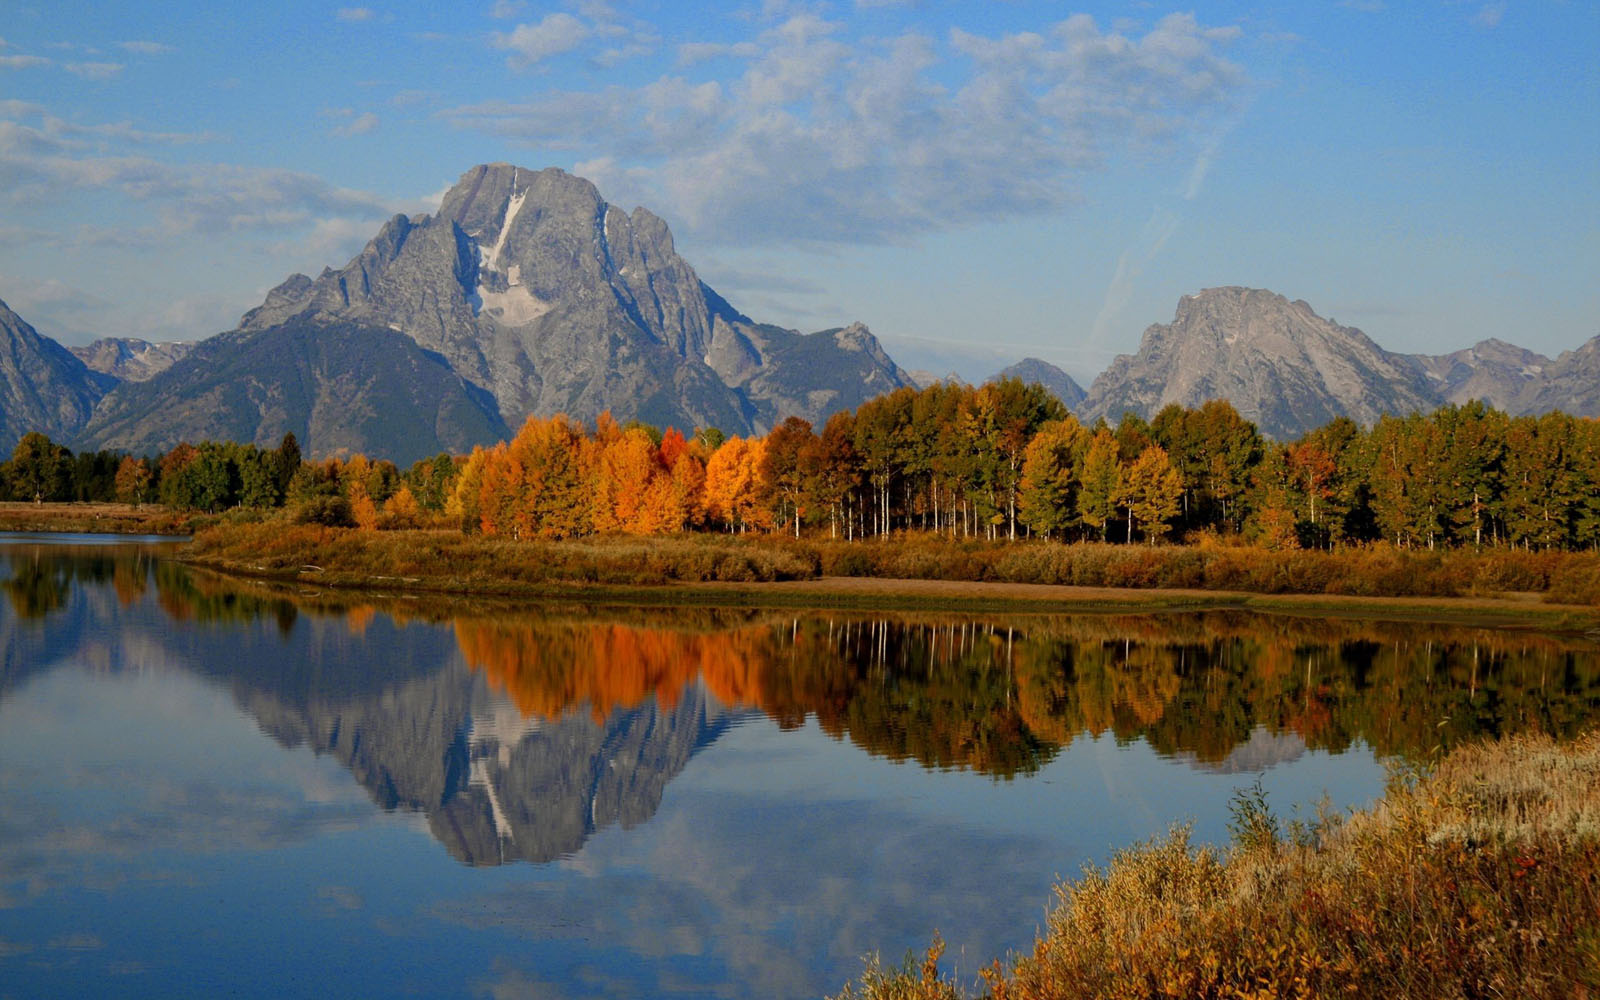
107	518
1481	879
449	560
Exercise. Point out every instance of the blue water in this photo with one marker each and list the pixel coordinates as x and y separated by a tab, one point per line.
212	790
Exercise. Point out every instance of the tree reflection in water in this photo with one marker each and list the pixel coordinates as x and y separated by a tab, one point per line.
1000	696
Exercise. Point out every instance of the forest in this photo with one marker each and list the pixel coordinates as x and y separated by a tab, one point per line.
1000	461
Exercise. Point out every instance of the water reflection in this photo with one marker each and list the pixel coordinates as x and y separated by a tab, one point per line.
520	733
707	795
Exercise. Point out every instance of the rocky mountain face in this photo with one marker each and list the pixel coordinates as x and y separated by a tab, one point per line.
129	359
1571	383
1279	363
1062	385
43	387
340	387
530	286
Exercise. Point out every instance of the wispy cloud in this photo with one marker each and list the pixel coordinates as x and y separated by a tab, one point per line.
1158	229
355	15
823	142
59	160
359	125
22	62
1489	15
95	70
147	48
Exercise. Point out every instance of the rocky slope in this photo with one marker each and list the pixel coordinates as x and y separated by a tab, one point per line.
534	288
43	387
340	387
129	359
1062	385
1571	383
1279	363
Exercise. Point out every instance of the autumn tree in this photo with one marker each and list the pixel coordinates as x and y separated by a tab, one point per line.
790	461
1150	493
39	469
838	474
1047	500
1006	414
463	504
633	490
401	510
733	484
538	484
1100	482
133	480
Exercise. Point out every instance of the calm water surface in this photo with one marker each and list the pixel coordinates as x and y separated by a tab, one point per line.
214	788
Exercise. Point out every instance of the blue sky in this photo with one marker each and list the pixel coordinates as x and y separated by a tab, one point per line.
975	181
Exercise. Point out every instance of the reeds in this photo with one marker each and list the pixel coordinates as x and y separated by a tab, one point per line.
1479	879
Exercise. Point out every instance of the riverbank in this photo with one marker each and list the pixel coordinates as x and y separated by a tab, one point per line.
101	518
1481	878
916	573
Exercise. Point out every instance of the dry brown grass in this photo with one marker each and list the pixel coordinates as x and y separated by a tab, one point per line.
1481	879
115	518
448	558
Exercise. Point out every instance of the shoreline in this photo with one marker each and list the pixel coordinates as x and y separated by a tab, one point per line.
978	597
474	567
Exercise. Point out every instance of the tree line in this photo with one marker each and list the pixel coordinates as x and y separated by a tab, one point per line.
1002	460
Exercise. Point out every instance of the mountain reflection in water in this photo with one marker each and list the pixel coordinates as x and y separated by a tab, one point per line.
519	733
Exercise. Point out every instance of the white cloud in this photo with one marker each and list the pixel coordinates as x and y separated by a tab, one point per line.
355	15
507	9
532	43
821	142
95	70
22	62
145	48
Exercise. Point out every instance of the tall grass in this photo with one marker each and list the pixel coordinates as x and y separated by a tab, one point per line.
1480	879
447	557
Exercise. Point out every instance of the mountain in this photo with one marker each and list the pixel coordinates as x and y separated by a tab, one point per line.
43	387
1048	375
1279	363
129	359
533	288
1571	383
340	387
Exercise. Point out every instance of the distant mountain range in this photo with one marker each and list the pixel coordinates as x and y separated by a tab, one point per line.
1289	370
527	294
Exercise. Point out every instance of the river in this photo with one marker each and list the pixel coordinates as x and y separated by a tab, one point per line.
217	787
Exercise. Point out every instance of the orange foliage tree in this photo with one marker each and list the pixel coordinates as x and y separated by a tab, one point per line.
733	484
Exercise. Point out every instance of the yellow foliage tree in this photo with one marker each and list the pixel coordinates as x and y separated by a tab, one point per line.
733	484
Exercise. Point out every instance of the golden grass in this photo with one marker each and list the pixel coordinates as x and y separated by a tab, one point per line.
1480	879
447	559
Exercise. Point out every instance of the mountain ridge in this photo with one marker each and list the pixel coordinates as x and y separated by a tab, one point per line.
1289	370
535	288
